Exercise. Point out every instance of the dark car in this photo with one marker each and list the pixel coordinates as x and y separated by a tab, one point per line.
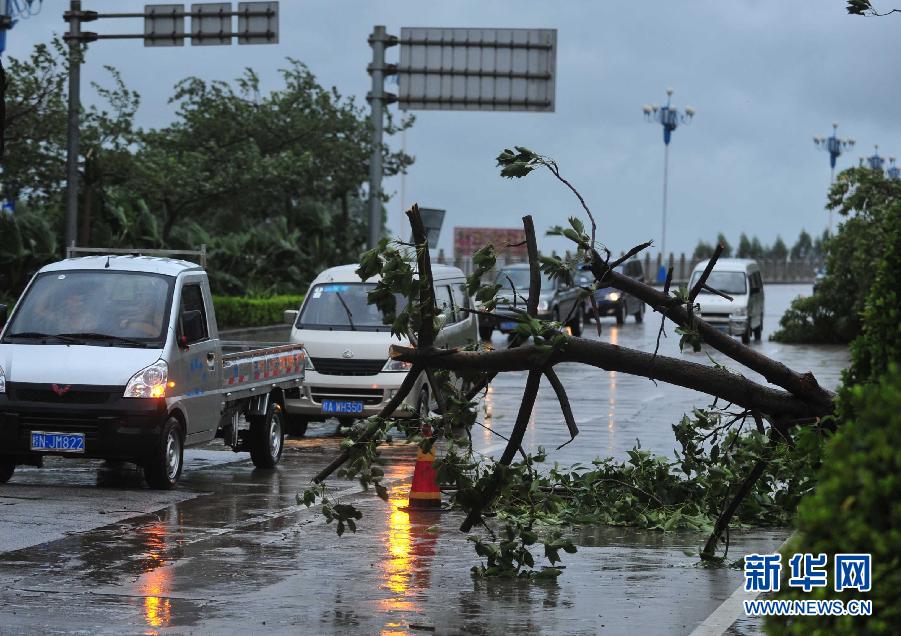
556	301
613	302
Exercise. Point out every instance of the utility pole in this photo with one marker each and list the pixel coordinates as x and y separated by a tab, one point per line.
378	99
73	17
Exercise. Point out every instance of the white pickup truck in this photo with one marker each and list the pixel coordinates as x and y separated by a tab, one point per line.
119	358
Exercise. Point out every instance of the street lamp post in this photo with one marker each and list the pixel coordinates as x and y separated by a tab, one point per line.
669	117
835	147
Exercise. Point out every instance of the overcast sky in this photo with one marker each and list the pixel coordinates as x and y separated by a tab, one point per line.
764	77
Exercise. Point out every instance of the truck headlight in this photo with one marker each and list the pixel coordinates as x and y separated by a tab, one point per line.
542	305
740	311
614	296
2	381
150	382
397	366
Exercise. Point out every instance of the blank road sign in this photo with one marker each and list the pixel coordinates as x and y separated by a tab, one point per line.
211	23
258	23
164	25
432	220
477	69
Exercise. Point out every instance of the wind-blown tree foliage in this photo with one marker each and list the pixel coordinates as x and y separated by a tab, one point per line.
272	182
721	473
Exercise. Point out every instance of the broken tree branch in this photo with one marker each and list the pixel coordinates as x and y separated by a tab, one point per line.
716	381
803	386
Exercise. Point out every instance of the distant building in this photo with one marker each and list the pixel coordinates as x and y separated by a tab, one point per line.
509	242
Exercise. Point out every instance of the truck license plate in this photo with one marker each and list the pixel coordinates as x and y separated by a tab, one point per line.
508	326
57	442
342	406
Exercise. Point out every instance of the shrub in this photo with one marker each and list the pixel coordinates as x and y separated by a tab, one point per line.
855	509
234	312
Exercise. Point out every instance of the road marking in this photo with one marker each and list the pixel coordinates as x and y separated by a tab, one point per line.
730	610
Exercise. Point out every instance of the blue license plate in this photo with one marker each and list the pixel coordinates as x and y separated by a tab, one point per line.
342	407
508	326
57	442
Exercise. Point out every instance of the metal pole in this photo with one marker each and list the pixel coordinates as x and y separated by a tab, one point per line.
72	134
376	101
665	171
831	181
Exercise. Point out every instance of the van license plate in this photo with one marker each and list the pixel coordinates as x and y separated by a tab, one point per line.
57	442
342	406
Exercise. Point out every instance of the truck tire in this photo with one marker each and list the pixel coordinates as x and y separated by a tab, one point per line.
746	336
620	314
485	330
163	467
267	437
758	332
639	315
296	425
7	468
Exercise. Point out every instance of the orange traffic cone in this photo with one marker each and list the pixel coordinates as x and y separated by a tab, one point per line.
424	492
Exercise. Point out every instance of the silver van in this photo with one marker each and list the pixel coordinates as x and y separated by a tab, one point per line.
739	278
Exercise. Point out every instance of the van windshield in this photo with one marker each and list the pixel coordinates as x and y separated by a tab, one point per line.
520	278
343	307
726	282
93	307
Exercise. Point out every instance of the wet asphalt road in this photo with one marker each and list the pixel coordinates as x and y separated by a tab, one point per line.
87	549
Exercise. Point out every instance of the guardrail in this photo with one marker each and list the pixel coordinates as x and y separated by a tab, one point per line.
772	270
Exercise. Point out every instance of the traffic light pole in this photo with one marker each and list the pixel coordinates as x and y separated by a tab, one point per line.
73	16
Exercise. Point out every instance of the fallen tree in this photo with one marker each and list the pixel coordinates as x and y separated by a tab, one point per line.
794	401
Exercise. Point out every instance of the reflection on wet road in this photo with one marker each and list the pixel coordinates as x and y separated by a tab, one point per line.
87	549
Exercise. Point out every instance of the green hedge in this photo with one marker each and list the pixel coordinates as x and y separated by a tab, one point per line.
234	312
855	509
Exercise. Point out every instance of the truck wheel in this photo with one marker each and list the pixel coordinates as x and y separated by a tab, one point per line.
639	315
7	468
485	331
758	332
267	436
746	336
620	314
163	468
296	425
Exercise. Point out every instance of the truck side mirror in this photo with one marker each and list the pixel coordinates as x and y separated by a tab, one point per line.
191	327
290	316
3	316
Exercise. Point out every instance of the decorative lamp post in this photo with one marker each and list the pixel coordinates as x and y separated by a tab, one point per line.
835	147
874	161
893	171
669	117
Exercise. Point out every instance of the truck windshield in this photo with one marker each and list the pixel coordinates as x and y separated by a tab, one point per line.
520	278
726	282
93	307
343	306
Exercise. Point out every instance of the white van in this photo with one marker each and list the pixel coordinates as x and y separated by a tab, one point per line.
348	374
739	278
